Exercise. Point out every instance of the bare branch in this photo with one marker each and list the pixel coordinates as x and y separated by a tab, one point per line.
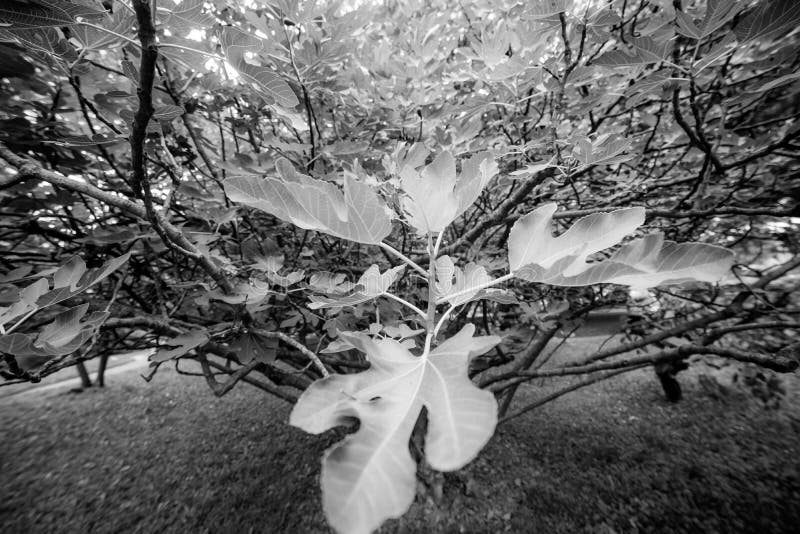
299	346
29	170
778	362
561	392
236	376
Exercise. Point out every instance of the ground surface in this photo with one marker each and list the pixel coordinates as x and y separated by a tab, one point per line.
68	378
170	457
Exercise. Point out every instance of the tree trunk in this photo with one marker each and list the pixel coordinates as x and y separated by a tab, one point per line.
86	382
101	371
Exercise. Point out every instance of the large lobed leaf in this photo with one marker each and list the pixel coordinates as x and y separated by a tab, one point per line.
187	16
47	42
265	80
370	476
120	24
29	14
191	54
770	20
546	8
69	280
436	196
85	280
531	241
718	13
68	331
535	255
358	214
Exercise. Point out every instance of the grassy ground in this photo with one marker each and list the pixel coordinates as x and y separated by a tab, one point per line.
169	457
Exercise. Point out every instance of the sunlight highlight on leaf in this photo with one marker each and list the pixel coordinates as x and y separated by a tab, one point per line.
536	256
358	214
370	475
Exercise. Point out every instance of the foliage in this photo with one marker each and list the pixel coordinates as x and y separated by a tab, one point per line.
293	185
371	475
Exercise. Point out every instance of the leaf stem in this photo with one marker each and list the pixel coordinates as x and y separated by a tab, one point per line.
160	44
435	254
408	261
430	317
24	318
443	319
491	283
299	346
111	32
189	49
406	303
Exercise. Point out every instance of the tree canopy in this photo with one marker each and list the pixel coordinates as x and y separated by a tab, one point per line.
275	189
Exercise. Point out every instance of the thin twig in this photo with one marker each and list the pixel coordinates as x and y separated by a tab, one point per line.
408	261
299	346
404	302
553	396
29	170
776	363
240	374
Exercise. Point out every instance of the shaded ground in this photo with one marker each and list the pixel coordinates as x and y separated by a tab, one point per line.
170	457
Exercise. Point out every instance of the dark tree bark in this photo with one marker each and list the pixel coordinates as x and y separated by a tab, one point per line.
86	381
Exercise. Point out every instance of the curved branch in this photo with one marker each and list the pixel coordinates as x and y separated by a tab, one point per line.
779	363
240	374
29	170
299	346
569	389
673	214
147	74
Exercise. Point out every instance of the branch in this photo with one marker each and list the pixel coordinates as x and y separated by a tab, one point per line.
141	121
240	374
27	169
404	258
526	359
779	363
732	310
673	214
561	392
299	346
277	375
719	332
784	142
406	303
306	98
218	388
567	48
698	140
162	327
159	326
776	273
147	73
